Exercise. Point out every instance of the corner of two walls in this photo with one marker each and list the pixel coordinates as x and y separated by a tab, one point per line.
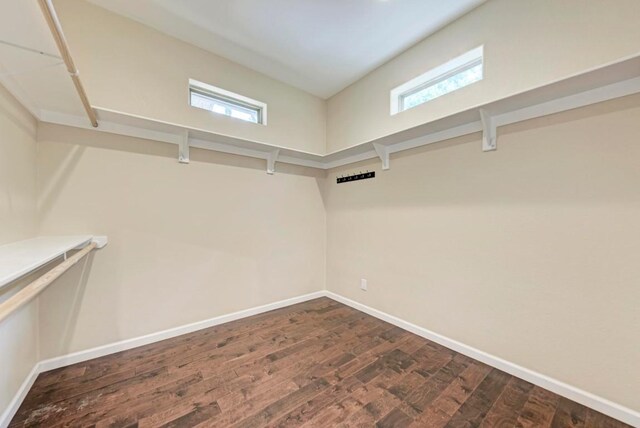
189	242
449	238
526	45
18	220
186	242
529	253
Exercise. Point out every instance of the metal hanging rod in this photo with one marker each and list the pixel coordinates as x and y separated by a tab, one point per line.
30	292
28	49
56	30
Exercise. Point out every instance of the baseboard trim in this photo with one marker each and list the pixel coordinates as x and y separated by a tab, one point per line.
578	395
101	351
15	403
600	404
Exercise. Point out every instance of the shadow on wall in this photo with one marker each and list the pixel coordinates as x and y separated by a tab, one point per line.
22	338
561	159
103	140
59	309
18	343
17	118
49	191
80	139
10	289
187	242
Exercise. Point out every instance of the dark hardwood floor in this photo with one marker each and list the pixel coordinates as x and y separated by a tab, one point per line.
316	364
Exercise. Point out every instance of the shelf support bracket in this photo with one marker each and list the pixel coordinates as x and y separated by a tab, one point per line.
183	150
272	158
489	142
383	154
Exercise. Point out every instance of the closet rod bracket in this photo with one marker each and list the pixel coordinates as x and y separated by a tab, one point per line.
100	241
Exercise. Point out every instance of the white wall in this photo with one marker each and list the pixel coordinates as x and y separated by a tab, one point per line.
529	253
132	68
187	242
526	44
128	67
18	333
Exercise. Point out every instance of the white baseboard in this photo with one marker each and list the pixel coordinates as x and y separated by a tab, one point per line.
112	348
585	398
100	351
600	404
15	403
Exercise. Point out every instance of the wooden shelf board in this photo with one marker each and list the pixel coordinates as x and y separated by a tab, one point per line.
610	81
18	259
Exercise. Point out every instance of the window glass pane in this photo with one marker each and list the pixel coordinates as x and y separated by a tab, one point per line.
248	116
217	108
220	106
450	84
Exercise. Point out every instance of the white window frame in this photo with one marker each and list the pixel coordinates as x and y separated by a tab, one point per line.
435	75
229	98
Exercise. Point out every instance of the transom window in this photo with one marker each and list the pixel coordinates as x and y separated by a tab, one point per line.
451	76
221	101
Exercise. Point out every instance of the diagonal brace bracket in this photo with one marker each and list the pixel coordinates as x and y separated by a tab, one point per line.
489	142
383	153
272	158
183	148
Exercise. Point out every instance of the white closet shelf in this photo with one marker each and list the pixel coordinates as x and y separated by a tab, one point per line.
601	84
18	259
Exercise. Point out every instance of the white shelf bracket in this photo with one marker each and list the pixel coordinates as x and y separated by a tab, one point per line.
183	150
272	158
383	154
489	142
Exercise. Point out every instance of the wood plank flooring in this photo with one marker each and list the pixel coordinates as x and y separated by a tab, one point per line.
316	364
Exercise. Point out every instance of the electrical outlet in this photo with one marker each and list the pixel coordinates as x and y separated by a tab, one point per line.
363	284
